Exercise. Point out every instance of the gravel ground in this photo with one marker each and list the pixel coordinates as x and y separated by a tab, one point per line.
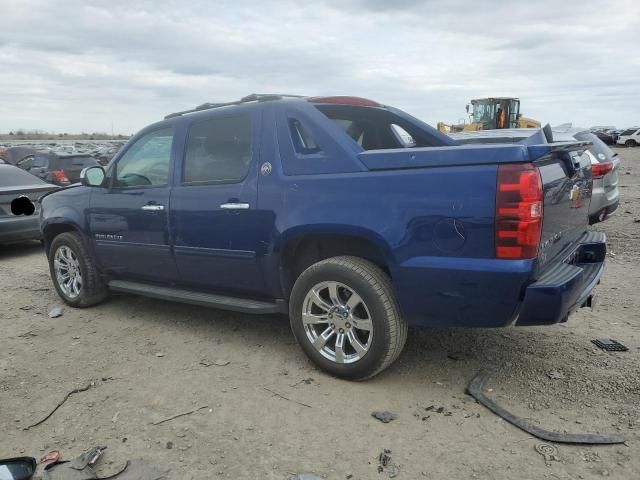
147	360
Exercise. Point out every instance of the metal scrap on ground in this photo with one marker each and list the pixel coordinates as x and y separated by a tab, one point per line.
609	345
475	389
72	392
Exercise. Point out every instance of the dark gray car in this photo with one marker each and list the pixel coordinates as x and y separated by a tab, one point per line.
15	183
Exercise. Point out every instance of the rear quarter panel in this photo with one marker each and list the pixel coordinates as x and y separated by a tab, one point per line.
435	228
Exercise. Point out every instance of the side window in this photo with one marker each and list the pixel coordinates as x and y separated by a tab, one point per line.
39	161
302	139
218	150
405	139
146	162
26	163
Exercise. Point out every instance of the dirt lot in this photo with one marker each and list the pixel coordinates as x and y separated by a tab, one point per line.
147	361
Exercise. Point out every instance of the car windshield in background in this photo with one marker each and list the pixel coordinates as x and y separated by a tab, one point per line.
76	161
629	131
599	149
11	176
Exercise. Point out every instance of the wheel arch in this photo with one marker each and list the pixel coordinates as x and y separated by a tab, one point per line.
301	248
51	230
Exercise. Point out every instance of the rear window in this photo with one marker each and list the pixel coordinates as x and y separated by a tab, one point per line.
376	128
599	149
13	176
75	162
629	131
40	160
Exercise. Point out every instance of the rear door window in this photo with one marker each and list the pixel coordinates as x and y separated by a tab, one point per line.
218	150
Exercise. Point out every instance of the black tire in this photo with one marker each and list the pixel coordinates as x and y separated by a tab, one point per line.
93	289
630	143
389	329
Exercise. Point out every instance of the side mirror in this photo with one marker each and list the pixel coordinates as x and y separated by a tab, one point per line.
21	468
91	177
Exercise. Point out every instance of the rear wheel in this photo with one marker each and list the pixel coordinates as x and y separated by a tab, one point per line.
630	143
345	317
74	273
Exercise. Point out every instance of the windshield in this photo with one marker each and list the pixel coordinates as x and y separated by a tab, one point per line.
483	112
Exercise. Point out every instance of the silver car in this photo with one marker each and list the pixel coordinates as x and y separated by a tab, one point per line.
604	161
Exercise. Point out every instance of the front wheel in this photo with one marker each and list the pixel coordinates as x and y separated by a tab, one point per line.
74	273
345	317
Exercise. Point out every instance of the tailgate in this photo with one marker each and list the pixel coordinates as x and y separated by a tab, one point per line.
566	178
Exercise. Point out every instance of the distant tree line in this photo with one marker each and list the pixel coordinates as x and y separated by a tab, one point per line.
40	135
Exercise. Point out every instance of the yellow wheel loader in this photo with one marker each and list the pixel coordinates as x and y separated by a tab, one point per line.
490	114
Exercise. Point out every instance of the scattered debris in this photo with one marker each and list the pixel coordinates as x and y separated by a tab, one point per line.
285	398
159	354
385	464
217	363
159	422
549	452
609	345
475	389
305	476
55	312
27	334
80	468
384	417
72	392
115	417
169	445
26	307
90	457
555	375
442	410
306	381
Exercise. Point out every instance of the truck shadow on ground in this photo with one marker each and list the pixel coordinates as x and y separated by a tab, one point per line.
430	354
24	249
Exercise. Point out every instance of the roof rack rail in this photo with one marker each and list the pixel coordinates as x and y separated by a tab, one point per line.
254	97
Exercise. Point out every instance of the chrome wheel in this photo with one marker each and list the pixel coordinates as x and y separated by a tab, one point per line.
337	322
67	269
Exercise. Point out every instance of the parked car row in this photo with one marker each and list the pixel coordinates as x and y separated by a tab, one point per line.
628	137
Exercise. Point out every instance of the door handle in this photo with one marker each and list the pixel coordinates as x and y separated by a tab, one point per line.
152	208
234	206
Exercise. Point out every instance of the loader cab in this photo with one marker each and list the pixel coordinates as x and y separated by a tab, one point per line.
495	113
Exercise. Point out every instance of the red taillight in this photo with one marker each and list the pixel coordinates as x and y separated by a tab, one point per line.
599	170
344	100
59	176
518	211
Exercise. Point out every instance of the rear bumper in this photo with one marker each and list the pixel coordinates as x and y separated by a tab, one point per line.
603	198
14	229
567	286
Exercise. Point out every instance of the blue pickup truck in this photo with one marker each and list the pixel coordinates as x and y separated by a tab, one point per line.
353	217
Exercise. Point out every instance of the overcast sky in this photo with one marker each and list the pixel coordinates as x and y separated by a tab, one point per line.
70	66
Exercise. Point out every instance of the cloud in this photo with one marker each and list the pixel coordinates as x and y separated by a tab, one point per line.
83	65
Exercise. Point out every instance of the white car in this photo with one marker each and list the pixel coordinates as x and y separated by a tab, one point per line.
630	137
